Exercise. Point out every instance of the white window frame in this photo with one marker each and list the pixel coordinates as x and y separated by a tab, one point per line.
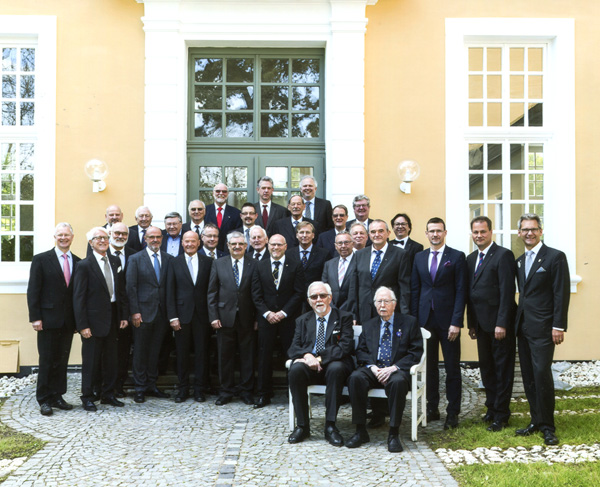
557	134
39	30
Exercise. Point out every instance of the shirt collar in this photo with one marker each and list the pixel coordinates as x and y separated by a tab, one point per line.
59	253
326	316
383	249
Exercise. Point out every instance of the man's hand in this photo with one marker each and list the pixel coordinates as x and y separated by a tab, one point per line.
136	320
472	333
216	324
383	375
500	333
453	333
275	317
311	361
124	324
86	333
558	337
37	325
176	325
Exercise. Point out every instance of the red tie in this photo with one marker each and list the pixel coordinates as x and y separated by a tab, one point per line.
265	216
219	217
66	269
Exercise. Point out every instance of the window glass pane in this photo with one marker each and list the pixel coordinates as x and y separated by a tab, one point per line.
237	198
274	97
7	248
26	156
274	125
475	59
209	97
475	210
517	86
239	125
475	114
516	245
28	59
535	86
26	248
517	186
9	113
298	173
279	175
208	70
305	71
9	86
208	125
536	186
494	115
27	187
7	221
275	71
517	156
494	190
536	118
305	98
205	196
517	114
538	209
27	113
495	213
495	157
7	151
240	70
240	98
494	86
305	125
9	188
475	86
28	86
476	187
516	210
475	156
494	59
236	177
536	157
534	59
280	197
26	223
9	59
516	58
209	177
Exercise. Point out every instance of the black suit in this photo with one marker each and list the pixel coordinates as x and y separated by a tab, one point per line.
326	241
331	277
491	303
231	221
407	349
51	301
94	310
204	251
313	271
186	301
133	240
277	213
543	305
322	214
190	226
349	223
288	298
411	247
265	254
234	307
336	362
285	227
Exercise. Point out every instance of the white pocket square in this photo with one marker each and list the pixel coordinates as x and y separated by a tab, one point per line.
335	331
541	269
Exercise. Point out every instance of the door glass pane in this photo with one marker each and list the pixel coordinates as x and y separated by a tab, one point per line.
538	209
517	114
279	175
275	71
274	98
476	187
495	157
9	59
494	115
240	97
280	197
494	186
305	70
535	87
209	177
209	97
205	196
494	86
516	58
7	152
517	186
298	173
7	248
516	210
236	177
517	157
475	86
516	245
239	125
534	61
536	157
26	223
305	98
475	59
27	187
7	221
536	118
9	86
476	156
27	113
28	86
517	89
494	58
237	198
9	188
207	70
274	125
240	70
475	209
28	59
26	157
536	186
9	113
475	114
495	213
26	248
208	125
305	125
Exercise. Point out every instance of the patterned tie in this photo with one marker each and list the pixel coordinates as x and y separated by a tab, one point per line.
385	347
276	272
212	254
66	269
191	268
320	345
304	258
481	256
308	213
434	264
236	273
295	222
198	229
108	276
342	270
219	217
376	264
247	232
257	255
265	216
156	267
528	262
144	239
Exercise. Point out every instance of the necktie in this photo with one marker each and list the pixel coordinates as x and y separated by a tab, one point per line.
236	273
376	264
528	262
265	216
66	269
304	258
212	254
481	256
385	347
257	255
198	229
108	276
342	270
118	254
400	243
247	232
308	212
276	272
191	268
219	217
295	223
144	238
320	345
434	263
156	267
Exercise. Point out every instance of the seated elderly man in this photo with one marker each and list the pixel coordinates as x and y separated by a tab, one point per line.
388	347
321	353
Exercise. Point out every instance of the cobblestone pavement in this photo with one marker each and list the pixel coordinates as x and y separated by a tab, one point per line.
160	443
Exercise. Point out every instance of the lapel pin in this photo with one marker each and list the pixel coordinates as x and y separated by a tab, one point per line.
399	333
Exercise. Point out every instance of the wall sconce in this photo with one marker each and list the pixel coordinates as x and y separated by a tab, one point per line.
408	171
96	170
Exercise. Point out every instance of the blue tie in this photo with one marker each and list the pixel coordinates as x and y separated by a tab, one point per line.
481	256
156	267
304	258
236	273
376	264
385	347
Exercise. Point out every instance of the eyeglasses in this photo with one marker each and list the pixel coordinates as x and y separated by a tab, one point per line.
196	209
400	224
274	244
221	191
379	302
314	297
360	206
120	234
529	230
341	215
102	239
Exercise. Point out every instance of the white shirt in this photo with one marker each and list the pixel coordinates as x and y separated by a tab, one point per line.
314	349
151	254
121	256
200	227
59	254
240	266
262	207
312	207
373	254
99	258
194	265
440	252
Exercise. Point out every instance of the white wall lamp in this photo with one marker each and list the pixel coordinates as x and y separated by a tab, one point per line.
408	171
96	170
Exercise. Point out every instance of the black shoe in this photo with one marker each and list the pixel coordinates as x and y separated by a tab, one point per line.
113	401
46	409
358	439
222	400
377	420
333	436
529	430
488	417
139	397
181	397
433	415
156	392
394	445
299	434
263	401
550	438
89	406
60	403
199	397
497	426
451	422
247	399
119	392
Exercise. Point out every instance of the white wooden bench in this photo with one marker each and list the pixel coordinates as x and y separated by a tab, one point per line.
416	394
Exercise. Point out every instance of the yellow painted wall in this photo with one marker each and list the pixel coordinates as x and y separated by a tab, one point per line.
405	119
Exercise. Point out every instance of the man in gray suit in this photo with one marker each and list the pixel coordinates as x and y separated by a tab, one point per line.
340	271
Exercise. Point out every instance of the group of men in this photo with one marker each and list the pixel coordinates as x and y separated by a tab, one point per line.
265	277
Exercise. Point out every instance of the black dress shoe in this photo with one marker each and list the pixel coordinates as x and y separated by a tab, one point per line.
113	401
179	398
199	397
156	392
46	409
529	430
333	436
433	415
247	399
488	417
377	420
222	400
119	392
60	403
89	406
299	434
139	397
263	401
394	445
358	439
497	426
550	438
451	422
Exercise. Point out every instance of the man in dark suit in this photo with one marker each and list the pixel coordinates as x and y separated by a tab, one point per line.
541	322
277	291
258	243
267	211
359	236
232	314
340	271
402	227
286	227
50	302
326	240
187	285
113	215
321	353
143	217
361	204
438	296
172	234
146	290
490	317
224	216
389	345
197	212
210	239
316	209
248	216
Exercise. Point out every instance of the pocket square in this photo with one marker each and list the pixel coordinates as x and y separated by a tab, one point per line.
335	331
541	269
447	264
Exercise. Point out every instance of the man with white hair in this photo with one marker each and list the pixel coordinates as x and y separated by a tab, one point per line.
258	243
143	217
197	212
317	209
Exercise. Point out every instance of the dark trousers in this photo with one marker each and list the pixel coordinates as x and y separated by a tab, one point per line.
125	339
267	337
194	334
536	356
148	338
228	339
333	375
362	379
451	354
497	365
54	347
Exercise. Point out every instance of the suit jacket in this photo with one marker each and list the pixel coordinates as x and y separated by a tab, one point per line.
322	214
330	276
204	251
491	294
412	247
407	342
226	299
277	213
91	299
349	223
448	293
134	238
339	337
326	241
128	251
544	296
48	297
250	252
314	267
163	245
183	296
147	295
284	227
231	221
393	273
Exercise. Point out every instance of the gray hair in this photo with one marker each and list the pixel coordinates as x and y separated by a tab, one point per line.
63	225
529	216
382	289
235	234
318	283
173	214
266	179
361	197
307	176
140	208
92	233
199	201
387	228
260	229
359	225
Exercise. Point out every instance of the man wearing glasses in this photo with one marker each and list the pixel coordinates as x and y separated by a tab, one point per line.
320	350
361	205
224	216
340	272
197	212
327	239
402	227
